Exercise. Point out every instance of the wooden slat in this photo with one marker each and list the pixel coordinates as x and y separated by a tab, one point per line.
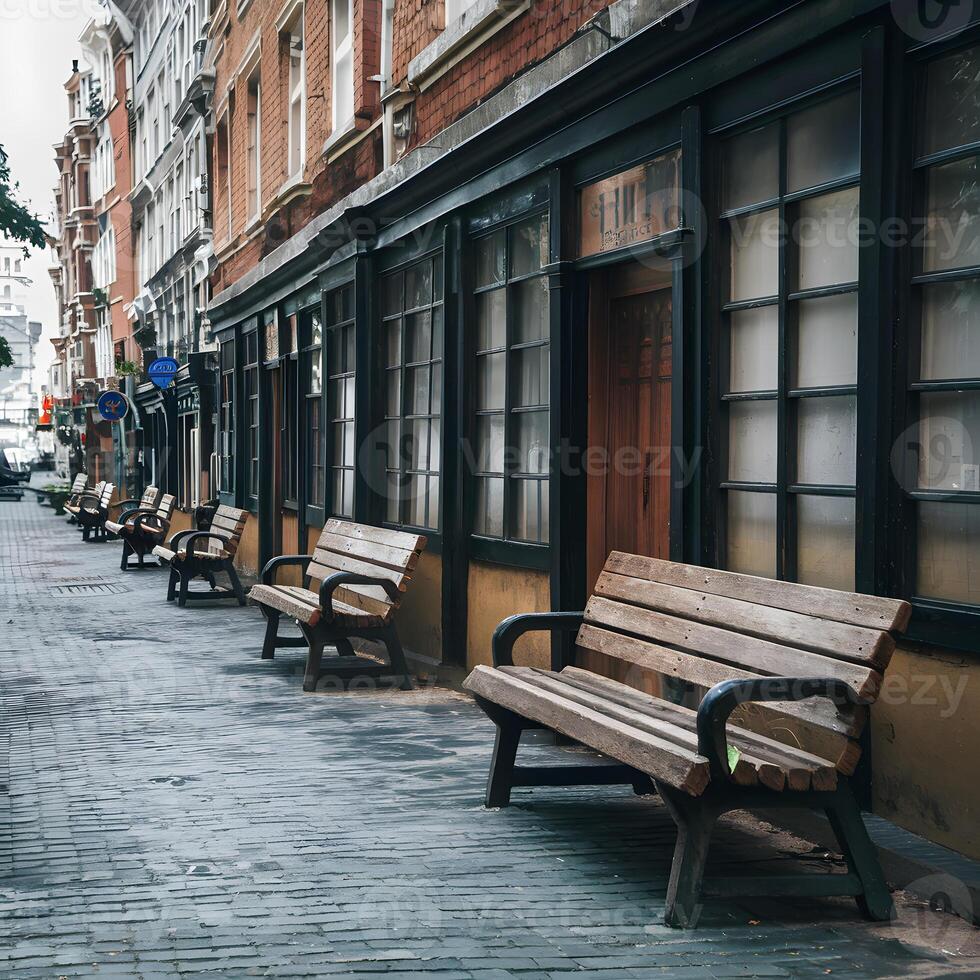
715	643
329	562
405	540
303	605
799	765
839	640
659	758
166	506
383	555
233	513
663	725
874	612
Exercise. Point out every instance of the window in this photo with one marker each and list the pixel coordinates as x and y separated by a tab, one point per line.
343	64
253	149
226	448
412	315
296	120
340	399
288	421
789	358
943	482
223	154
250	377
512	433
387	33
312	338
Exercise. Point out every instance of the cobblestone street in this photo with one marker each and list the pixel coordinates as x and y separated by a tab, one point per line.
170	805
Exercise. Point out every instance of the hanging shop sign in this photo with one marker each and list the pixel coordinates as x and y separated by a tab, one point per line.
634	206
162	371
113	406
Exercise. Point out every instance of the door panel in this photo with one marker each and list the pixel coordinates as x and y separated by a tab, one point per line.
629	416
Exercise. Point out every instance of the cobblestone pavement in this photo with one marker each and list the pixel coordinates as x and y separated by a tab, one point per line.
170	805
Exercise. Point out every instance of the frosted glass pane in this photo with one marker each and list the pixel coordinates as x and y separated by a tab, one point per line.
951	111
754	351
533	442
752	533
490	381
752	167
949	440
827	234
530	310
531	372
489	514
948	552
755	255
529	245
953	216
826	440
827	342
823	143
490	253
490	443
529	511
950	331
752	442
825	541
491	319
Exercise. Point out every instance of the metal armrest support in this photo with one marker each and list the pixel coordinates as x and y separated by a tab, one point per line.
269	572
726	696
332	582
140	523
512	628
131	515
196	535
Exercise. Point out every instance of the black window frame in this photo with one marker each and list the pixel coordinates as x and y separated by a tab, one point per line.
311	440
339	322
787	300
227	417
504	548
251	468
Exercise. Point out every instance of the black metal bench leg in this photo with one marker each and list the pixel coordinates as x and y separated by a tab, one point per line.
313	665
501	778
695	821
860	854
126	552
236	584
271	633
397	657
172	584
184	583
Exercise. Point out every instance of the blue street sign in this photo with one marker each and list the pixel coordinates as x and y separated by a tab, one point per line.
162	371
113	406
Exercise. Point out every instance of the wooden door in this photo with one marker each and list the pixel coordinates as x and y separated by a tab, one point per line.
629	417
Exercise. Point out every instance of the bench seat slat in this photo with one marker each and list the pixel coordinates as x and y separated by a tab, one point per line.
304	605
797	629
713	642
874	612
658	757
790	757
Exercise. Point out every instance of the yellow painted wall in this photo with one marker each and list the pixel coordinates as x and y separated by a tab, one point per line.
247	556
419	617
180	520
496	592
924	745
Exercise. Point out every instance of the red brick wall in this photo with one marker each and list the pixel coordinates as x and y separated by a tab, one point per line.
533	36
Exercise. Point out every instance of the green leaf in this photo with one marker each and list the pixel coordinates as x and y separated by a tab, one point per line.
733	756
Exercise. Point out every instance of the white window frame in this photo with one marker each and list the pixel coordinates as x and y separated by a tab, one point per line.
296	80
387	33
341	61
253	148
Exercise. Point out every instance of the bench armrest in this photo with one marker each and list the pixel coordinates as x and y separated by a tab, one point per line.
726	696
333	582
140	519
512	628
131	515
193	536
269	572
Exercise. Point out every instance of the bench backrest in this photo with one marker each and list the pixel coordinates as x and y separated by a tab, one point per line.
105	496
230	522
165	506
702	626
149	498
366	550
78	485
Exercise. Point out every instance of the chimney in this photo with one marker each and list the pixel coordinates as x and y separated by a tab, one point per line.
74	65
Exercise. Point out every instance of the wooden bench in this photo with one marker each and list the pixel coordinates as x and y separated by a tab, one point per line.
142	530
809	660
352	585
78	487
205	553
125	507
93	512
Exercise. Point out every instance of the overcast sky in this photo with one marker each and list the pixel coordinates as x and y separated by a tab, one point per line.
38	40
